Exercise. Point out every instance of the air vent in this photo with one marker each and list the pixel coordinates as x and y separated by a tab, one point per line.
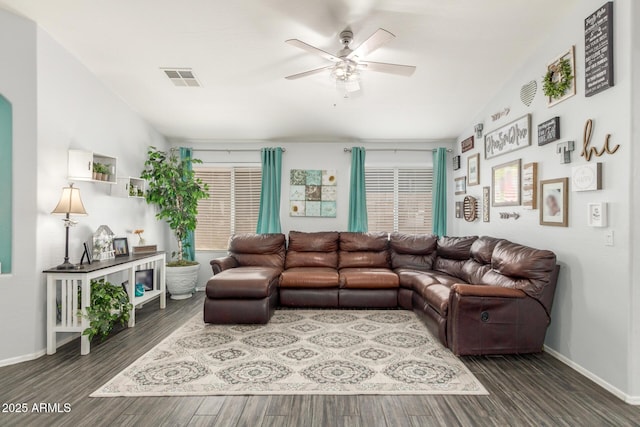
182	77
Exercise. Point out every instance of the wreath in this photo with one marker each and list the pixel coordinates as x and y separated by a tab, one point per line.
555	89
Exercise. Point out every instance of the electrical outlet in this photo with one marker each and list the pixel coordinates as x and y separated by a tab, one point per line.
608	238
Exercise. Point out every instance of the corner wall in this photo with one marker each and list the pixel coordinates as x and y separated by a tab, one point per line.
591	316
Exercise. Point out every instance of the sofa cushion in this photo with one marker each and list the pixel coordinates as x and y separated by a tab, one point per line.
520	267
416	280
309	277
368	278
363	260
473	271
437	296
311	259
458	248
482	249
313	242
266	250
414	251
452	267
243	282
358	242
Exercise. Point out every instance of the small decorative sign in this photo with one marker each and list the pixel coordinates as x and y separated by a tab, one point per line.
587	177
598	58
510	137
460	185
597	214
467	144
530	186
458	209
456	163
486	203
549	131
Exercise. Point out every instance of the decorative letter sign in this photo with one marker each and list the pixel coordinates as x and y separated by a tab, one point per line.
586	177
510	137
598	42
565	148
549	131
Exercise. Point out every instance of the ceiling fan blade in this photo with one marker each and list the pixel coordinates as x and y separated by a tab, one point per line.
308	73
383	67
307	47
371	44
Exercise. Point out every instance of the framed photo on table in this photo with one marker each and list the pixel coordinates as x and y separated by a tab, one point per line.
121	246
506	184
473	169
554	202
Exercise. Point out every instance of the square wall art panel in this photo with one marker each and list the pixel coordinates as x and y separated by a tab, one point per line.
312	193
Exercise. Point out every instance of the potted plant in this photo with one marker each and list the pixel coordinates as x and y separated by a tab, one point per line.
109	306
174	189
97	171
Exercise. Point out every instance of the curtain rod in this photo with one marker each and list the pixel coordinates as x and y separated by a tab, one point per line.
228	150
348	150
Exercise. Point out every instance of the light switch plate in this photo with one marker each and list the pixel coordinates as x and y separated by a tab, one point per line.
608	238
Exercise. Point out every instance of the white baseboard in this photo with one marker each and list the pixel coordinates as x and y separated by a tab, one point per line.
37	354
632	400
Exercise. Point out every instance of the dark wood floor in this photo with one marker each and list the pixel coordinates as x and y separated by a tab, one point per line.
534	390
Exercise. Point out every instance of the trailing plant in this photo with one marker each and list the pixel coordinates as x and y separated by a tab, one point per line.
175	190
109	305
553	86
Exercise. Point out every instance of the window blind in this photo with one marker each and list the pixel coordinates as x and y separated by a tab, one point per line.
232	206
399	199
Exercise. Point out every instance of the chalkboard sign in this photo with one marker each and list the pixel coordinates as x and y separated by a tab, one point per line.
549	131
598	41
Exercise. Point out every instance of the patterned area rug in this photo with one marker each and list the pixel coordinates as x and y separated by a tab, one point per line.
299	352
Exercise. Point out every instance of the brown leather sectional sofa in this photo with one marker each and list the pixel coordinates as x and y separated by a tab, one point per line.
477	295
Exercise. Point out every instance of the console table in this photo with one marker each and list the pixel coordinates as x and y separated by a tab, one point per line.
63	286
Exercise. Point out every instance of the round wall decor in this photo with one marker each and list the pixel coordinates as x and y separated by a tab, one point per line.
470	208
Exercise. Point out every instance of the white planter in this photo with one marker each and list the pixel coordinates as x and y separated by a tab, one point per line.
181	281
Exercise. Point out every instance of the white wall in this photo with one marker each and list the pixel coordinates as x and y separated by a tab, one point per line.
591	314
19	289
316	155
59	104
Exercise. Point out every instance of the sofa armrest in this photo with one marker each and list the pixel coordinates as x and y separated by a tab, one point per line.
486	291
219	265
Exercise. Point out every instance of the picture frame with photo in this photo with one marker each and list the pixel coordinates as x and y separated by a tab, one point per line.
554	202
473	169
460	185
121	246
146	278
505	183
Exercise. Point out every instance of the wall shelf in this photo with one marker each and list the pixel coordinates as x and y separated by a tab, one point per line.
84	165
130	187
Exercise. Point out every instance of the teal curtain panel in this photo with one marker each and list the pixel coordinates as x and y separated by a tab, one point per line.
189	242
440	192
6	187
358	221
269	214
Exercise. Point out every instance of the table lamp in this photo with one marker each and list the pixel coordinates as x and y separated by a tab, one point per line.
70	203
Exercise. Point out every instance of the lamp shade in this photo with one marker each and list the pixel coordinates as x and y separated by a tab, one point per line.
70	202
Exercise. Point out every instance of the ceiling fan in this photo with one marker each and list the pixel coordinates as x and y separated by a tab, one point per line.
348	63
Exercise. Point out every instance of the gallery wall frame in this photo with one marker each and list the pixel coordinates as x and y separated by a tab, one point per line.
569	55
530	186
554	202
473	169
460	186
505	182
510	137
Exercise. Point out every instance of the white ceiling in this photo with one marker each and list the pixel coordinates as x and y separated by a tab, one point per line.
464	50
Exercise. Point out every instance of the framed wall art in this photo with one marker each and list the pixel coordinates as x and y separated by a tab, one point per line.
461	185
473	169
456	163
559	82
510	137
597	214
467	144
486	204
459	207
530	186
312	193
554	202
506	184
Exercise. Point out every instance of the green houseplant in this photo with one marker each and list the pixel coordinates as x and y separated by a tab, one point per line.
109	306
174	189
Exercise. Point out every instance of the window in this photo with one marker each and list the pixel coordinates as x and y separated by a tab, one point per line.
399	199
232	206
